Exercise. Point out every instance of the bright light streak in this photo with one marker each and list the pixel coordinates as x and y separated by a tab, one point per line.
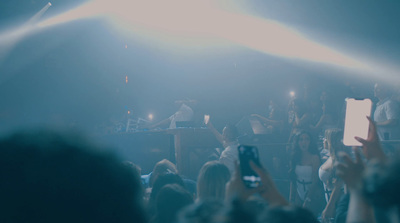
9	38
37	16
179	19
202	20
86	10
150	116
292	94
182	22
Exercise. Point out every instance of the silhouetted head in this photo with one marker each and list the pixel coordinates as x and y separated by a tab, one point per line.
162	167
170	200
49	177
287	214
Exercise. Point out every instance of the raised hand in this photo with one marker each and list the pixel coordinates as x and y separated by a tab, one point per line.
351	171
235	188
268	189
371	146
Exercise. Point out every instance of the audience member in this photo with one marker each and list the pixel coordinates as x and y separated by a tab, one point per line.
285	214
162	167
387	114
300	118
359	210
211	181
49	177
275	119
170	200
161	181
305	188
203	211
229	141
332	186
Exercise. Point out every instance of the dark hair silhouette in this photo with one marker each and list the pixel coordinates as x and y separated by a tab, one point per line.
170	200
296	154
286	214
48	177
161	181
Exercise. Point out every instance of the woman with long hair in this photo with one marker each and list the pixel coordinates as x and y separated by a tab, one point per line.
305	187
332	186
211	181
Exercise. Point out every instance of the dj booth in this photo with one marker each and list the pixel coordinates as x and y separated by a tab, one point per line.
189	148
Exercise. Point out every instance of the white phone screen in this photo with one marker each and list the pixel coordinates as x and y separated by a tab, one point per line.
356	122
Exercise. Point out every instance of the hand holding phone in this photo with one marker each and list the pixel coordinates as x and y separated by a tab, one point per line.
356	122
246	154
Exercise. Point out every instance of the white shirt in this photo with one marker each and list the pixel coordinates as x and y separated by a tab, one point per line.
304	180
385	110
230	155
185	113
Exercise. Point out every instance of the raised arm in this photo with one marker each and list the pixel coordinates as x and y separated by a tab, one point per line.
351	173
372	148
214	131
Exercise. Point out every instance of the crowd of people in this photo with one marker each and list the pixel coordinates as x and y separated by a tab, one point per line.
52	177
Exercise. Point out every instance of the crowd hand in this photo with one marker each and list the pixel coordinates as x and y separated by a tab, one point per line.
268	189
235	188
351	171
372	146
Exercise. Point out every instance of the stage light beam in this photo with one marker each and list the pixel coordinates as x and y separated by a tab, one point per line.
8	39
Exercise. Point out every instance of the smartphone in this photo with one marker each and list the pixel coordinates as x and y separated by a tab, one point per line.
206	119
247	154
356	122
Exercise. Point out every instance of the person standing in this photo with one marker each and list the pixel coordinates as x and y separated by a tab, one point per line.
387	114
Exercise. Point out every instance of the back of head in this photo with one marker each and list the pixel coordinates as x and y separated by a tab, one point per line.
162	167
47	177
170	200
161	181
203	211
287	214
212	179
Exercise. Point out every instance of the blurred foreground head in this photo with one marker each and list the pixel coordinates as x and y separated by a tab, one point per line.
382	183
286	214
48	177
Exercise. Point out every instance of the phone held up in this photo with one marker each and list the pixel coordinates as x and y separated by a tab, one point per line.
247	154
206	119
356	122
